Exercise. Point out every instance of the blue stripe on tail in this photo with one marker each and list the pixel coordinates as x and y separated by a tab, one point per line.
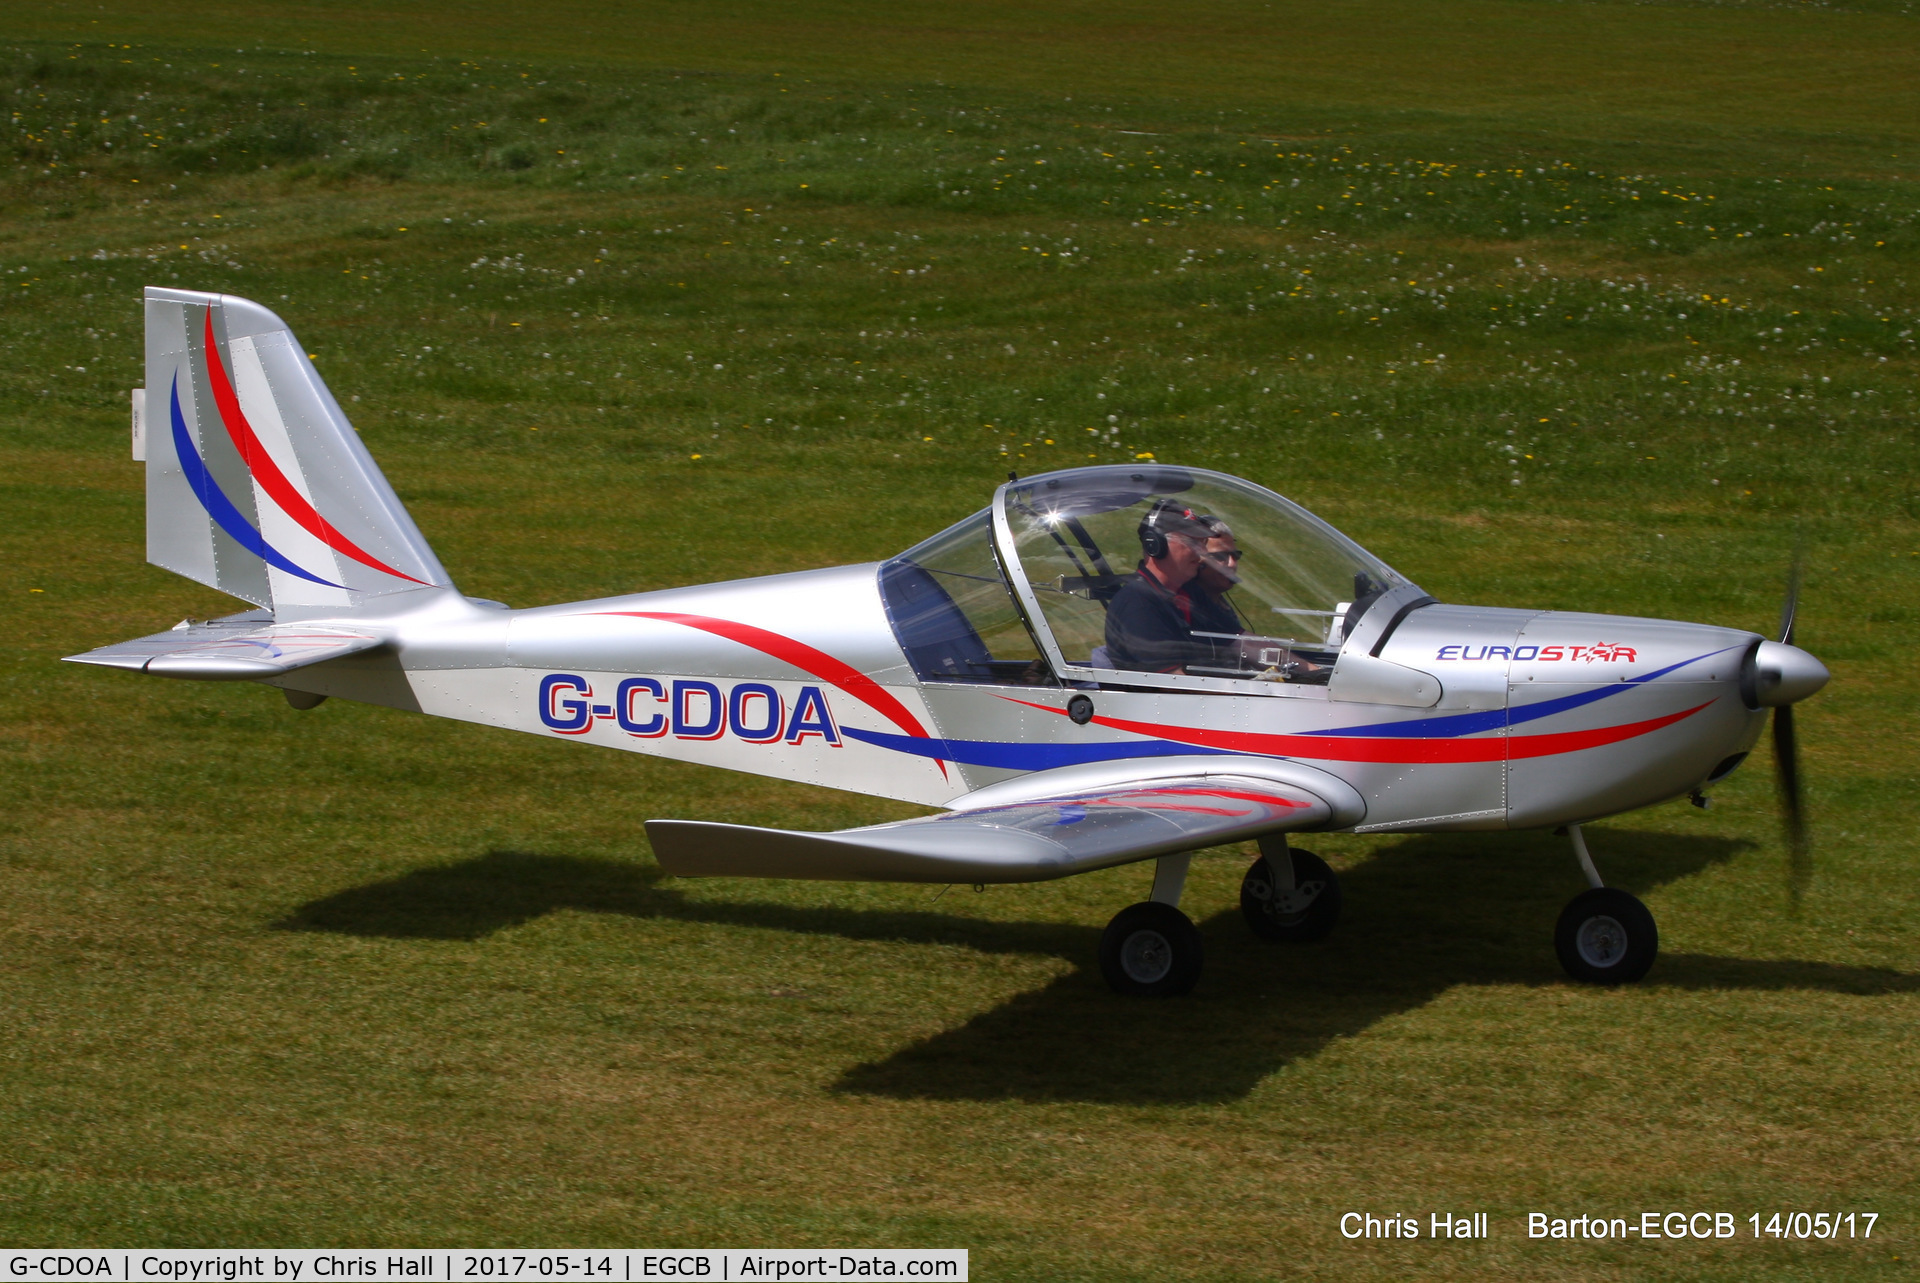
221	508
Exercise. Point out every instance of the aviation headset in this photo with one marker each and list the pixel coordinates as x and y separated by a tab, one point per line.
1153	540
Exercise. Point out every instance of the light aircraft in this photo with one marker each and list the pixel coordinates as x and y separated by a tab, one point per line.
1104	665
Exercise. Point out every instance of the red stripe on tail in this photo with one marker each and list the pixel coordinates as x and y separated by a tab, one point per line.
268	473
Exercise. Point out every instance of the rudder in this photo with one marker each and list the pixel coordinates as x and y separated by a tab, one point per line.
256	483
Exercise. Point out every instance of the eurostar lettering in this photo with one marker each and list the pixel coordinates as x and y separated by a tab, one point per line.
688	709
1603	653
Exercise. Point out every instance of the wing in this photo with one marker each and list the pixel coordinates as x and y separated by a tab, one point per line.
238	648
1028	841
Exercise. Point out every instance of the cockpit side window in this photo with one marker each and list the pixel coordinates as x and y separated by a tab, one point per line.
953	612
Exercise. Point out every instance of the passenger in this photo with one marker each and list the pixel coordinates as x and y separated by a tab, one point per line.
1215	612
1150	621
1219	572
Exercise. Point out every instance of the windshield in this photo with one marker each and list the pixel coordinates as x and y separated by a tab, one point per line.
1173	570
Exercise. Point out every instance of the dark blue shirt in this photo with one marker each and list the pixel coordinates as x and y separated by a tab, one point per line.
1150	627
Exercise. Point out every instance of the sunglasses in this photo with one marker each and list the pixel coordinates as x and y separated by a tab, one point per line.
1231	554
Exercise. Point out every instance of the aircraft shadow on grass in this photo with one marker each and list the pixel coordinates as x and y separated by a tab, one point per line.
1420	917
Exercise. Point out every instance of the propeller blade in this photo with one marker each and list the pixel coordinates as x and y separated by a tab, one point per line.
1791	607
1786	761
1786	750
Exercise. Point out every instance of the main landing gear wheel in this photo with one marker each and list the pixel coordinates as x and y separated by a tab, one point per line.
1151	950
1606	937
1307	912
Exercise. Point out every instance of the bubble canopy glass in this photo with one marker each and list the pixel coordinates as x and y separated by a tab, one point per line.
1071	542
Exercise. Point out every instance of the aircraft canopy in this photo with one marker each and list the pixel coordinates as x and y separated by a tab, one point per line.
1242	584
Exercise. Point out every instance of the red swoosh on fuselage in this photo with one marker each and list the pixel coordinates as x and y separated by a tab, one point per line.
268	473
1323	748
802	656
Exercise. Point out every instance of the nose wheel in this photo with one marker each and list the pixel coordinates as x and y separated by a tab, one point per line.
1605	936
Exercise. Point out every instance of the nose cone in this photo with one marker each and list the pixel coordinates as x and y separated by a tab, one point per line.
1783	674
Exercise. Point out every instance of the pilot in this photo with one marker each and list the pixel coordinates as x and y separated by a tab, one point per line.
1150	621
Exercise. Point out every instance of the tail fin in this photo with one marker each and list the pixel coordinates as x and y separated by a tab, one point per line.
256	483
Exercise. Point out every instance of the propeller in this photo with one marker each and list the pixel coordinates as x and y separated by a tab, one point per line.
1786	758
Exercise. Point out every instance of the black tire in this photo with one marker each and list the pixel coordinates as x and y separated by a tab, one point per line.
1271	919
1606	937
1151	950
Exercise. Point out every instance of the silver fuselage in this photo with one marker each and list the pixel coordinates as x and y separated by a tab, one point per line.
1541	718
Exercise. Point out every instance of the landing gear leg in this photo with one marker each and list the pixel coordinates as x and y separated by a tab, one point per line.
1170	879
1605	936
1289	894
1151	949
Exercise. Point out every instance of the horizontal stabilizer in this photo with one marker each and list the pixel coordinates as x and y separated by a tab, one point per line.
1027	841
241	647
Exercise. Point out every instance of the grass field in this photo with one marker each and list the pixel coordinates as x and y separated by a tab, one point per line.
1582	305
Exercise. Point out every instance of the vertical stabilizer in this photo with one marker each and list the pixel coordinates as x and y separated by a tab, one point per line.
256	483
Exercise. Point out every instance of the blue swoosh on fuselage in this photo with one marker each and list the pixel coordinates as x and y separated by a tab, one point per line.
1040	757
1456	724
1029	756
